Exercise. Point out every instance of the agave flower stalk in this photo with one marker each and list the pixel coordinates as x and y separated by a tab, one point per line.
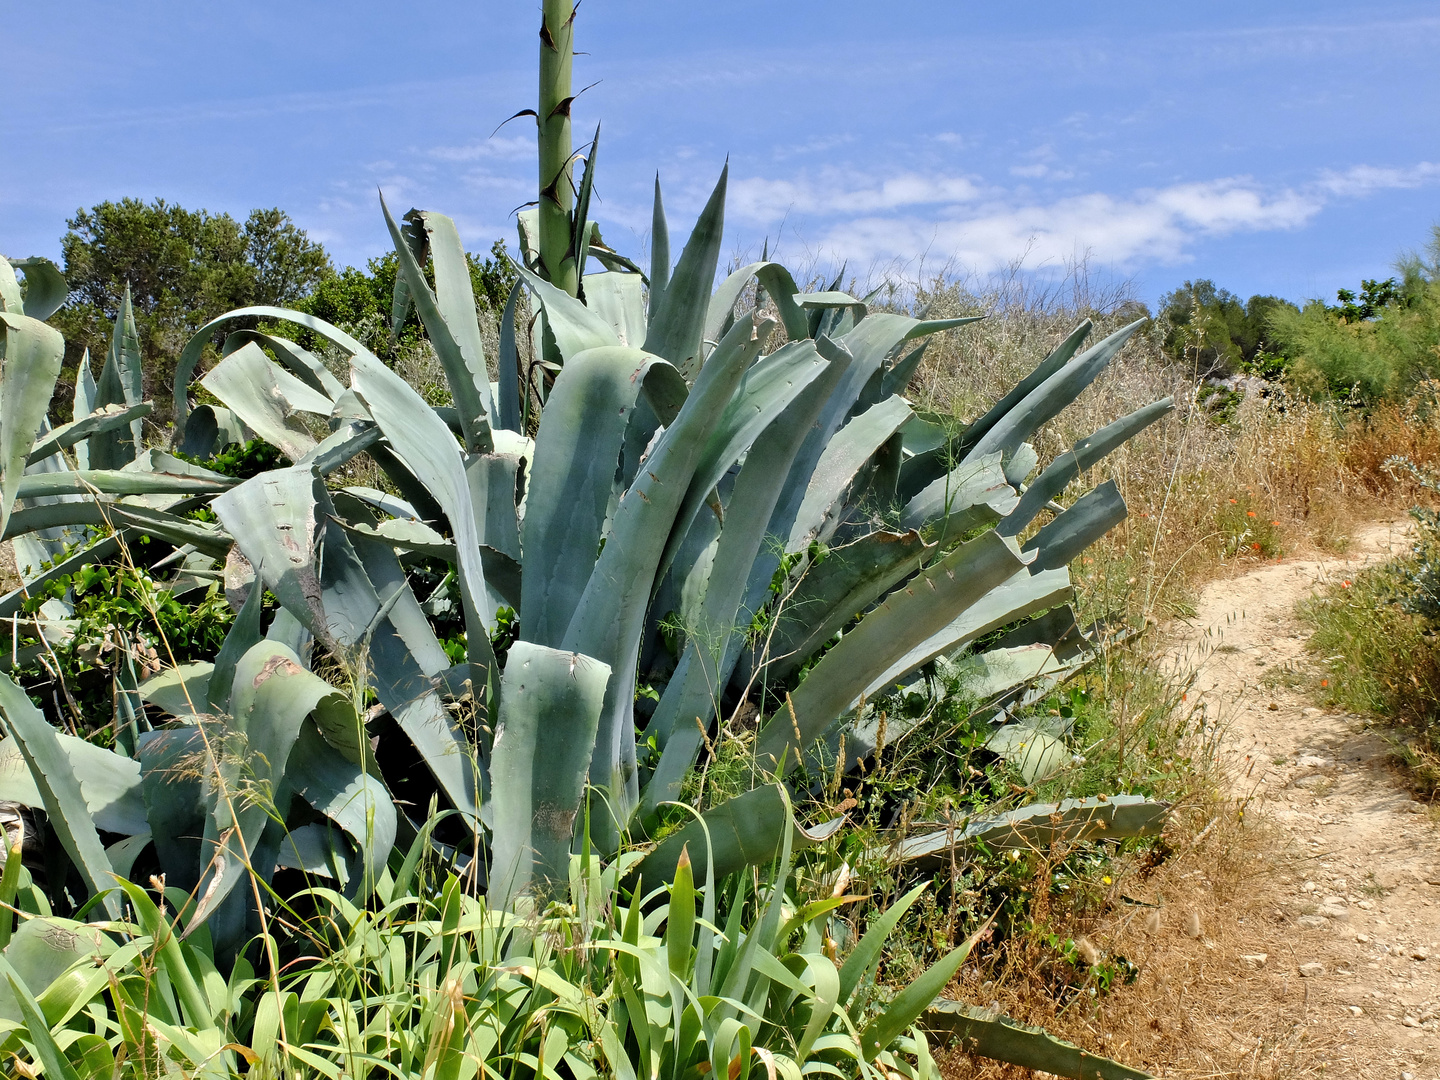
557	194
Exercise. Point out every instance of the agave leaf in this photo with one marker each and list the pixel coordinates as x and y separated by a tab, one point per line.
116	482
302	363
33	352
180	691
974	493
773	278
1058	358
909	616
770	385
619	299
1020	595
1033	752
714	642
577	448
110	783
1039	825
843	585
609	619
455	303
507	408
83	404
677	326
1021	464
243	635
550	705
266	397
1083	455
659	253
897	379
748	830
195	347
103	511
405	660
45	287
341	446
1091	517
171	766
209	429
849	451
427	446
121	383
273	518
12	298
59	789
246	774
343	791
102	549
110	418
452	330
574	326
1051	396
989	1034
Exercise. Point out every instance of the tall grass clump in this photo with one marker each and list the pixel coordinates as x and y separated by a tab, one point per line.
1378	639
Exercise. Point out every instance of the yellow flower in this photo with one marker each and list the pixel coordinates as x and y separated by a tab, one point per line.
1106	879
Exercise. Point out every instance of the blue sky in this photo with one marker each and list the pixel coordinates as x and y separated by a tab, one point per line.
1284	148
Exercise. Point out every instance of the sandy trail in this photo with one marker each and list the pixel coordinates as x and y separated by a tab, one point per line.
1355	882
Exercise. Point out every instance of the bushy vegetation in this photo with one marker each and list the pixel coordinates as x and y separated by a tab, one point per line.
1379	638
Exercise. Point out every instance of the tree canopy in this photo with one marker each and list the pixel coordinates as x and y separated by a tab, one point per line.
183	268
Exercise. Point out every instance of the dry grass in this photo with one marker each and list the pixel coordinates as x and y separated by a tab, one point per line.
1197	1009
1281	476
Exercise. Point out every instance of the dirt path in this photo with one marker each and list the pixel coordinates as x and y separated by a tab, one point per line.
1354	880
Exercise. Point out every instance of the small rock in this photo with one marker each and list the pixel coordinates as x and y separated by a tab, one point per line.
1355	1010
1253	961
1338	901
1310	886
1310	710
1338	912
1312	922
1311	970
1192	925
1407	1076
1312	761
1362	939
1410	1022
1274	707
1419	953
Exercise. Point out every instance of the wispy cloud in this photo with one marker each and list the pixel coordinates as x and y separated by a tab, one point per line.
986	228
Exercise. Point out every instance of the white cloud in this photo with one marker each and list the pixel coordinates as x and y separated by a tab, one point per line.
496	148
1364	179
864	219
768	201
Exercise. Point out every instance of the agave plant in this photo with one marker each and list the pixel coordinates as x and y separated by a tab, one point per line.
693	479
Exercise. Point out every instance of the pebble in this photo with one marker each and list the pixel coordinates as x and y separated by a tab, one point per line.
1355	1010
1419	953
1310	761
1311	970
1337	912
1312	922
1254	961
1410	1022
